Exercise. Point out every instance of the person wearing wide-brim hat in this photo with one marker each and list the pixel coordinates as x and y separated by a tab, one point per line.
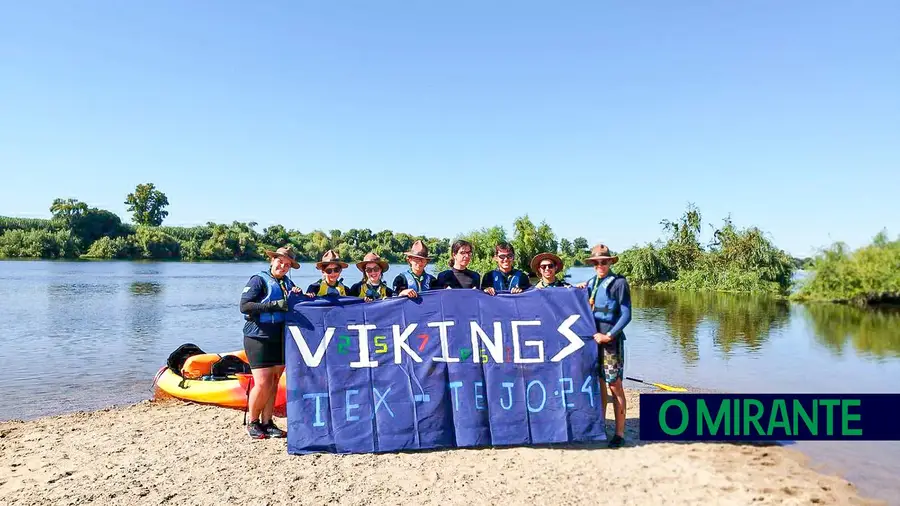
331	266
285	252
547	266
264	304
600	254
609	298
414	280
371	287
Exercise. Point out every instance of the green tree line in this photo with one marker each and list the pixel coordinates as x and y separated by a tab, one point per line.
76	230
734	260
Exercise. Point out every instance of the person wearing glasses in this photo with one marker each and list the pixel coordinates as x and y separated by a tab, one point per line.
609	298
547	266
415	280
264	305
459	275
331	283
371	287
505	278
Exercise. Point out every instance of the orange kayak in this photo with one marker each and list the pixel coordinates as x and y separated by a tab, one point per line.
230	392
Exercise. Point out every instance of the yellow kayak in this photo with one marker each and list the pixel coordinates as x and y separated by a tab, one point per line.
230	392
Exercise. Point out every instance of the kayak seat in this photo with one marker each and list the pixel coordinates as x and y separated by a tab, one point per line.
201	365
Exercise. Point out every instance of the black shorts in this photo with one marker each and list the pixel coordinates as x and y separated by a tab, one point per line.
264	351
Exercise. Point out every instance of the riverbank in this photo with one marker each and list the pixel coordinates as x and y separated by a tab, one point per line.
172	452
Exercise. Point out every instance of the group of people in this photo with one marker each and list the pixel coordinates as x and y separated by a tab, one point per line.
264	304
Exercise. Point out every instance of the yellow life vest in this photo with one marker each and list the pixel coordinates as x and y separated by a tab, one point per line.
323	288
382	293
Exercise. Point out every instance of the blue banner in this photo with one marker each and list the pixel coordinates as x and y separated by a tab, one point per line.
451	368
769	417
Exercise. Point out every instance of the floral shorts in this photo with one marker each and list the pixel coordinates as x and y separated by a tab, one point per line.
612	360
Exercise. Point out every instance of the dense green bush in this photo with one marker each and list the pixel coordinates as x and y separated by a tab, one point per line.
869	275
39	243
736	260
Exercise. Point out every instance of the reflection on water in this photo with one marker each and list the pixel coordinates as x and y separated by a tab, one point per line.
744	323
77	289
145	288
870	332
738	321
145	309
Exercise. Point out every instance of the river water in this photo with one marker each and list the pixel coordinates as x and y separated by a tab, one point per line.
88	335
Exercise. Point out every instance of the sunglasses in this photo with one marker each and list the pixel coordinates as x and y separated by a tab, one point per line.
331	270
506	257
373	269
601	262
547	266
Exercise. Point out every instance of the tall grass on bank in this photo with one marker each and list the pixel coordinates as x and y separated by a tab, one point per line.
868	276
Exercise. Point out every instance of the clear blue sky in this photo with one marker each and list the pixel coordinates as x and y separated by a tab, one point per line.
601	118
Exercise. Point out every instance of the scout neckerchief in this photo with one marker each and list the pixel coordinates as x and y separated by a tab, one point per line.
417	279
597	288
376	292
544	284
282	284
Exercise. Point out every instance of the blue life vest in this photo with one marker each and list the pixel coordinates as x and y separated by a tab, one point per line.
604	307
514	280
273	292
411	281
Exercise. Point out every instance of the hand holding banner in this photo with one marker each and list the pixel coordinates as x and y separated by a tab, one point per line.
452	368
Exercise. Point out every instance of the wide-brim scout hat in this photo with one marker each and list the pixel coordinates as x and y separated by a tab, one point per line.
418	250
330	257
601	252
369	258
284	252
540	257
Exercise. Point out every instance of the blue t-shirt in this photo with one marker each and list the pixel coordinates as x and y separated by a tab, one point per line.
255	291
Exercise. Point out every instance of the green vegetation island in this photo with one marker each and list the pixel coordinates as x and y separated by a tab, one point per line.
737	260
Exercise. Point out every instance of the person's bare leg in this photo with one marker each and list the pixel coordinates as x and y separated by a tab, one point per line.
604	395
618	398
275	377
258	394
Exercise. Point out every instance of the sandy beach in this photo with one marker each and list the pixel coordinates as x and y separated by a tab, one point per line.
169	452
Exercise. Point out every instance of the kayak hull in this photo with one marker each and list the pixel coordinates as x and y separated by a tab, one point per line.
229	393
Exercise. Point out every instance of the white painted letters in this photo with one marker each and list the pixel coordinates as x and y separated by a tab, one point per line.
495	346
445	346
575	342
364	359
517	348
311	360
400	343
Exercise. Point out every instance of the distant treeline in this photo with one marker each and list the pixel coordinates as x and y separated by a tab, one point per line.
78	231
736	260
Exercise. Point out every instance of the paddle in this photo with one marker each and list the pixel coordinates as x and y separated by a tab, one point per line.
659	385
